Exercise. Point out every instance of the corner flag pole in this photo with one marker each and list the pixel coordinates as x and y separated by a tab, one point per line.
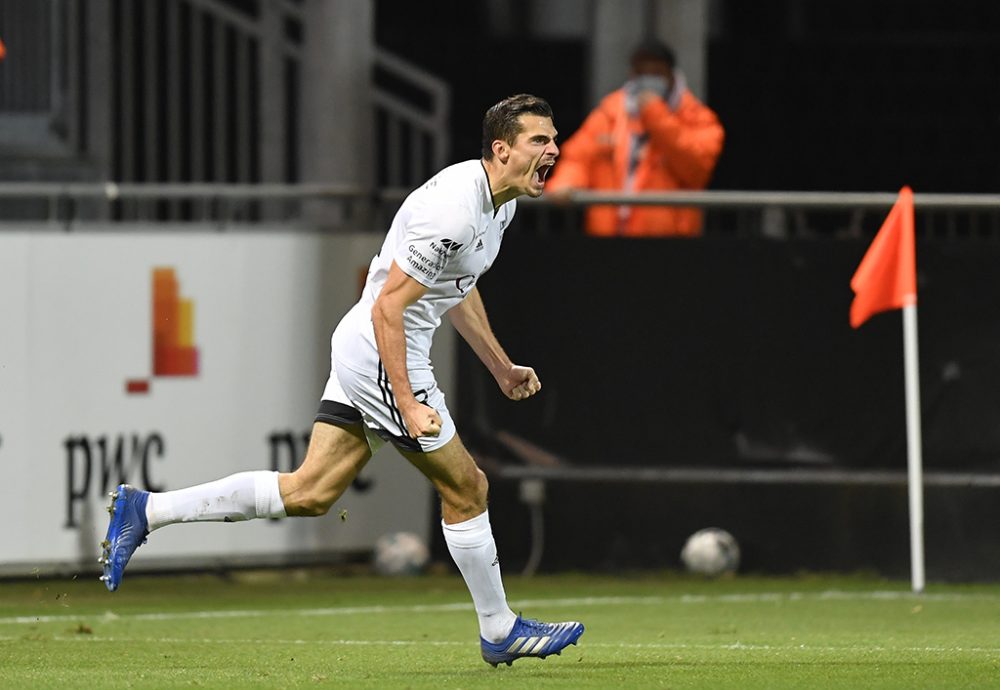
914	449
887	279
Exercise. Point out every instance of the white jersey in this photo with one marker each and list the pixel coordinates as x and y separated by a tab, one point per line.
445	236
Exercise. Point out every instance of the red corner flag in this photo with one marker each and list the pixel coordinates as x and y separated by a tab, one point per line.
887	275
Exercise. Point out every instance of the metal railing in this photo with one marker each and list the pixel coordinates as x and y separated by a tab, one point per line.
413	131
772	214
71	205
787	214
167	91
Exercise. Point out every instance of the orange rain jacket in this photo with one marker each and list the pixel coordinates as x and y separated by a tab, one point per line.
680	153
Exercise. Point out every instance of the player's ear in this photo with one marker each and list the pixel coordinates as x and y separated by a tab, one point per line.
501	151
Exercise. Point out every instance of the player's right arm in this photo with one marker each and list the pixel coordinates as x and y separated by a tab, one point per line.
399	292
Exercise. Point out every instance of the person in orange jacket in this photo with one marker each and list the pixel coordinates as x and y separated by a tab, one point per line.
650	135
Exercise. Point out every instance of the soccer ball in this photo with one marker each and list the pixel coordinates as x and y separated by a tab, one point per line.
400	553
711	552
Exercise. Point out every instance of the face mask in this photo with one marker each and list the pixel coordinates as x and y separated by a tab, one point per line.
643	82
647	82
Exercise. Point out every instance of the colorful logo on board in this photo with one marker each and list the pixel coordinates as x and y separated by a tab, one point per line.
174	349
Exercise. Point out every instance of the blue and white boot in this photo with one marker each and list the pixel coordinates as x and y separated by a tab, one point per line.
127	531
531	638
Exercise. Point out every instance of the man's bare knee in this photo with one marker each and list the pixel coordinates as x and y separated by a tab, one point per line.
303	497
460	483
312	503
469	498
481	486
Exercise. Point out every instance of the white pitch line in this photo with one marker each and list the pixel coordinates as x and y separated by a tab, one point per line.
764	597
738	646
652	646
318	643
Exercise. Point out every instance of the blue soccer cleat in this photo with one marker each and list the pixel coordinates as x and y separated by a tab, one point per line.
531	638
127	531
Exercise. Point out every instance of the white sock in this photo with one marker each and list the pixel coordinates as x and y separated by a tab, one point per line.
475	553
242	496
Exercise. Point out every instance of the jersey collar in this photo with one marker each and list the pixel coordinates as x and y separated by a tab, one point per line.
488	202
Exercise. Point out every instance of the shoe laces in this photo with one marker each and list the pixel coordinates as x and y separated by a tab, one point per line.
536	624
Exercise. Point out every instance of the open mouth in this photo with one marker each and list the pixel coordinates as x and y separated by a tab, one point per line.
541	172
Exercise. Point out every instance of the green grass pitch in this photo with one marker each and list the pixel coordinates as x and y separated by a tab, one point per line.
316	629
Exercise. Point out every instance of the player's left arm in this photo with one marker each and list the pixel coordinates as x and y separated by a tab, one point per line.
470	320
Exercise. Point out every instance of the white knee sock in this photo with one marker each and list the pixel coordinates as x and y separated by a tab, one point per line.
242	496
471	545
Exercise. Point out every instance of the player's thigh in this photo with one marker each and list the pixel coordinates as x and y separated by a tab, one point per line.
334	449
338	446
336	454
452	471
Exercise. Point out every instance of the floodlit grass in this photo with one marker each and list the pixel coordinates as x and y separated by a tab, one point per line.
313	630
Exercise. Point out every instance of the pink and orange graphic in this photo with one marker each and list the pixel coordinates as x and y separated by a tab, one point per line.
174	350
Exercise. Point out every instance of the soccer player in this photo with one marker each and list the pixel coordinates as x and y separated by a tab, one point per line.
381	387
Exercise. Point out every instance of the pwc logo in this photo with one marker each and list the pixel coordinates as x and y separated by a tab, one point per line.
174	350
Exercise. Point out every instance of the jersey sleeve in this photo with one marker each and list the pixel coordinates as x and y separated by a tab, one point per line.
434	236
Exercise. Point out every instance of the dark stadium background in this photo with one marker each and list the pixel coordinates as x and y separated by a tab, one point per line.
849	95
672	354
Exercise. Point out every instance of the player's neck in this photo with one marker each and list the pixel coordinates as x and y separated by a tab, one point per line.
501	190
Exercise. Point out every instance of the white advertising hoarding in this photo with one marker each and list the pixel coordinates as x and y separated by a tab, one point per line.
84	404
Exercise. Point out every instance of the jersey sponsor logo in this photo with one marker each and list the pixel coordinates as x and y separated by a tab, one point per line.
429	266
445	249
417	266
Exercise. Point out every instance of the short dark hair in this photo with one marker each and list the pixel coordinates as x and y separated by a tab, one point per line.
652	49
501	121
